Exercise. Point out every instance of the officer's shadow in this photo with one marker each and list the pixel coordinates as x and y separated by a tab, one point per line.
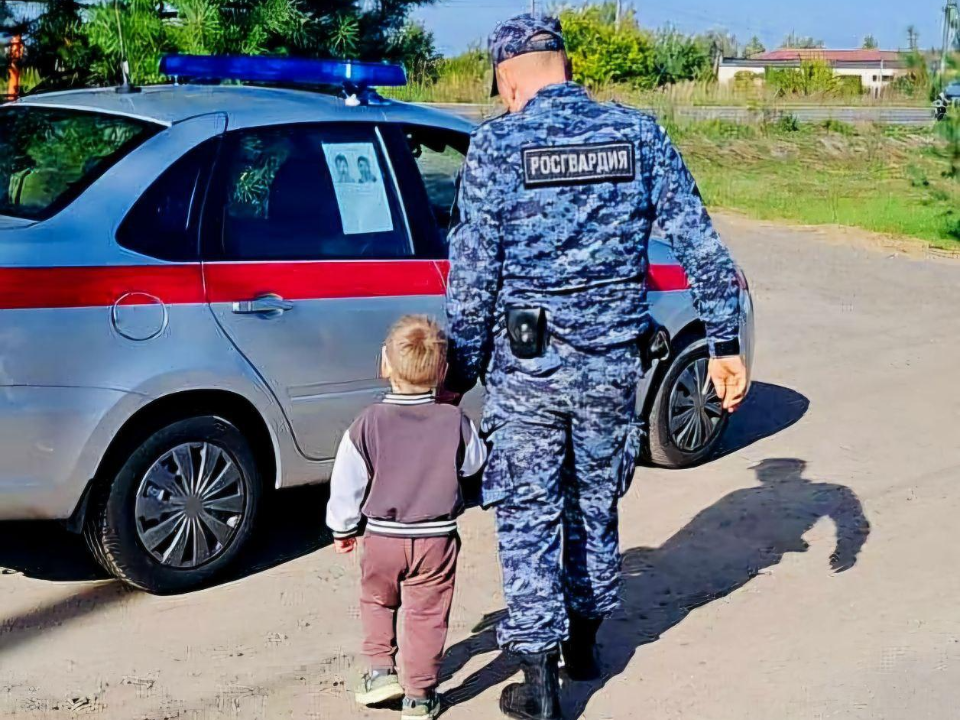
720	550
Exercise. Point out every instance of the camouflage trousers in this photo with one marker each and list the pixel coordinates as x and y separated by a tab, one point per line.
564	442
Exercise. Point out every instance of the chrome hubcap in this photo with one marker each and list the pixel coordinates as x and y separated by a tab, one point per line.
190	504
695	409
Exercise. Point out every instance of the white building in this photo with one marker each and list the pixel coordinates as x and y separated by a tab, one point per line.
876	68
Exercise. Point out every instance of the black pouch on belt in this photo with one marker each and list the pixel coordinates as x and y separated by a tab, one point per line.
654	345
527	332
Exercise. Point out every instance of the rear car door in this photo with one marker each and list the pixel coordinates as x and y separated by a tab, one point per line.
309	258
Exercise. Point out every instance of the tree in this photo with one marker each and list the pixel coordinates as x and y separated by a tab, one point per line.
801	42
58	49
72	44
870	43
413	45
754	47
603	52
678	57
721	42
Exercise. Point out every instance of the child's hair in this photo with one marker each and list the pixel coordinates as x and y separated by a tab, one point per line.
417	350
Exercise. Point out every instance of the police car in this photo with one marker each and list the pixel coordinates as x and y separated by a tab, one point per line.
195	280
950	97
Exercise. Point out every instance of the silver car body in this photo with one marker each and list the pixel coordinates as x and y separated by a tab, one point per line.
91	334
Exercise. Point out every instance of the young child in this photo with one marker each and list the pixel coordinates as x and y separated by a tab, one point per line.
399	467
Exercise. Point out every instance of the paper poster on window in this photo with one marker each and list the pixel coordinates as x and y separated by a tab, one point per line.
359	188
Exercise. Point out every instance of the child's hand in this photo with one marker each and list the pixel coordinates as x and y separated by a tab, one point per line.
345	545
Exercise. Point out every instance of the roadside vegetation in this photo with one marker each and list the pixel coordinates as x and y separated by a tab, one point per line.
80	43
888	179
652	68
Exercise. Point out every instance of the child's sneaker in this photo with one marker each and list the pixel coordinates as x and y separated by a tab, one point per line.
378	686
420	708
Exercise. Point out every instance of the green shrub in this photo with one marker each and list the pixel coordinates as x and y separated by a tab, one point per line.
746	82
949	131
850	85
679	57
602	52
839	127
786	123
813	77
917	177
726	130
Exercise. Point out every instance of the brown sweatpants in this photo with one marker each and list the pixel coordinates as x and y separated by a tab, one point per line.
417	575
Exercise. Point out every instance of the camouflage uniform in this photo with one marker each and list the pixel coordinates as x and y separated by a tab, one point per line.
557	204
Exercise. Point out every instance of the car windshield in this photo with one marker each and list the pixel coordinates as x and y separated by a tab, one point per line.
48	156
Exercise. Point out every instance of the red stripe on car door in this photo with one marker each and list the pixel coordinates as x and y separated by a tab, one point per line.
69	287
74	287
227	282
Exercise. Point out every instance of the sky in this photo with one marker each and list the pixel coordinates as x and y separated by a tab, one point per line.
841	24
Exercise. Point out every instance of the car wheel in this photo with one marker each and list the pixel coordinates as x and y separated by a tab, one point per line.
686	420
179	509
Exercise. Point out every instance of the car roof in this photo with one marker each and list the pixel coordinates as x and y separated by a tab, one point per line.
244	105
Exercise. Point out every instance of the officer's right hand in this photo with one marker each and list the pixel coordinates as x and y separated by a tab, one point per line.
729	375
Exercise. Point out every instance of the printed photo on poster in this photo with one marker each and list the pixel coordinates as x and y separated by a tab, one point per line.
358	185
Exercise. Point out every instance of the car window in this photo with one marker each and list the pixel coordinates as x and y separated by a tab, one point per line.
161	224
439	155
307	192
48	156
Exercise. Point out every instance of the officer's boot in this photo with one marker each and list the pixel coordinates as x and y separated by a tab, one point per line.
580	651
538	697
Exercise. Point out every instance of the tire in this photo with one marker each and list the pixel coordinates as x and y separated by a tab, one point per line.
179	509
672	449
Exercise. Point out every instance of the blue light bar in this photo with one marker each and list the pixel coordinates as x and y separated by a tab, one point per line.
283	70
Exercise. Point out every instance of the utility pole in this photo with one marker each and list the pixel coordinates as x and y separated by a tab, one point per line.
533	7
619	13
951	31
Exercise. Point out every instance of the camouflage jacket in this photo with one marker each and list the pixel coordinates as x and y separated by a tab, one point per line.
557	203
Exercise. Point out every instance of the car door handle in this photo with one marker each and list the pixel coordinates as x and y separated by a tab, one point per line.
269	305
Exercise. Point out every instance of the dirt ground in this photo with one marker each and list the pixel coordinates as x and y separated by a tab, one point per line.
731	607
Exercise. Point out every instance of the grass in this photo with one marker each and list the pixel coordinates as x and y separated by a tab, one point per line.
700	94
885	179
463	81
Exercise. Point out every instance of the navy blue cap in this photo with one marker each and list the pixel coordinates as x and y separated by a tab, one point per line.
521	35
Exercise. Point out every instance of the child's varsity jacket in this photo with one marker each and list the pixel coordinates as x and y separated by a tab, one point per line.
399	466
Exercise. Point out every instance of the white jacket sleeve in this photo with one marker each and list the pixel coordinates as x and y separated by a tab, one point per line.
348	486
475	453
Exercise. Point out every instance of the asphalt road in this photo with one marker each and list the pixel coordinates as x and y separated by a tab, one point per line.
731	608
881	115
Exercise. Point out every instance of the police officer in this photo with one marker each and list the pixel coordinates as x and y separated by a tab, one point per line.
547	300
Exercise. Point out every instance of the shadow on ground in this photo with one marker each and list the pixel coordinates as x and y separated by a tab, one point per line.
768	410
720	550
291	526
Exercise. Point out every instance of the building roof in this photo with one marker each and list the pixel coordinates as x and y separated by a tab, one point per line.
831	56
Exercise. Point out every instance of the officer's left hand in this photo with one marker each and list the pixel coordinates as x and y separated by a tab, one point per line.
729	375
